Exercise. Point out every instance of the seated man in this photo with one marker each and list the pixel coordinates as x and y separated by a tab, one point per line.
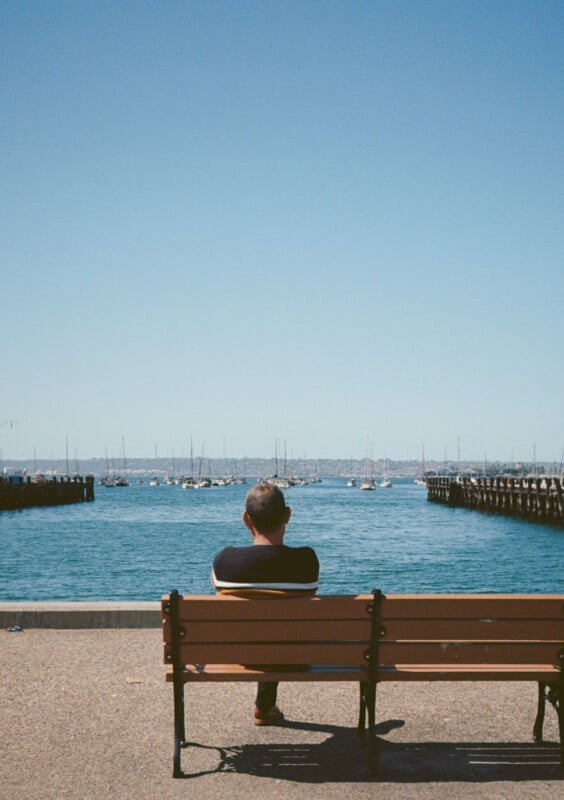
267	566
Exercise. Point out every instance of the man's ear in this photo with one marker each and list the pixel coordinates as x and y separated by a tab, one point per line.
288	515
247	521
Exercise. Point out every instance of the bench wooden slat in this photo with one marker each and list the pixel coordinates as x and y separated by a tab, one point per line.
274	630
273	653
239	673
469	672
492	606
431	653
214	607
466	629
446	652
474	629
395	606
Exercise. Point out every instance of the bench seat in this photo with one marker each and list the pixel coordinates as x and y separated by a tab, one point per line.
209	673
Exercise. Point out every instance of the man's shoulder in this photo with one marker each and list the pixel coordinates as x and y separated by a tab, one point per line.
231	551
304	550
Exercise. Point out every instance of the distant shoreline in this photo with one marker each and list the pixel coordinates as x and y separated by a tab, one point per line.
245	467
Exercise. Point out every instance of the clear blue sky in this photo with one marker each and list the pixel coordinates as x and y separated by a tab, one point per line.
323	223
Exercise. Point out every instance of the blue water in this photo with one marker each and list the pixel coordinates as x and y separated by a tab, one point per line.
138	542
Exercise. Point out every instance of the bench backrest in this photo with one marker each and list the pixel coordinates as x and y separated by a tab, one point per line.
332	630
432	629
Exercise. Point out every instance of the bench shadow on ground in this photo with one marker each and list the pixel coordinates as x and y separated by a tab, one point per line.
340	758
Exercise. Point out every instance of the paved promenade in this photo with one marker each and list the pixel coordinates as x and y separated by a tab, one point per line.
85	713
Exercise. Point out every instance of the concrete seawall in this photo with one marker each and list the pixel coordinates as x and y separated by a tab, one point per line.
80	615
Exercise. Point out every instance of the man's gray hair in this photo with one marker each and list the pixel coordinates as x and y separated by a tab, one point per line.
265	506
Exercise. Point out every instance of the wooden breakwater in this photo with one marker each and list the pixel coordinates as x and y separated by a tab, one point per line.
18	491
538	499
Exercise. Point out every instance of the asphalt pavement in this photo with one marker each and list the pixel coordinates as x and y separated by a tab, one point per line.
85	713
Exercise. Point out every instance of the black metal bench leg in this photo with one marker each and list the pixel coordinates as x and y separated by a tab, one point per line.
537	728
179	730
361	728
555	693
368	706
177	681
559	689
378	632
371	705
176	768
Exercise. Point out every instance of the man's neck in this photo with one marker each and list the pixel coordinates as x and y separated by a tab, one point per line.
274	538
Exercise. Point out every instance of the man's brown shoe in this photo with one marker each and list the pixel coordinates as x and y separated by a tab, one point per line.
271	717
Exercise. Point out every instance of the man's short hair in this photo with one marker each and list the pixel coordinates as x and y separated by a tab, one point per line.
265	506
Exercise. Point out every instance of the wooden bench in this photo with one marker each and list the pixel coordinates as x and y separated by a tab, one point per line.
366	639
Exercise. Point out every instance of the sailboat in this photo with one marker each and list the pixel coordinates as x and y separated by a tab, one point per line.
278	480
367	483
351	481
106	479
385	483
122	480
421	480
190	483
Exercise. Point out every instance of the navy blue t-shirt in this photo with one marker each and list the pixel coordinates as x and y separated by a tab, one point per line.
273	567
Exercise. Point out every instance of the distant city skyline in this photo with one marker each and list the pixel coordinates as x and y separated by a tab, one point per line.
336	225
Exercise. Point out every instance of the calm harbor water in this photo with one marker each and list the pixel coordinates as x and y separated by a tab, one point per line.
138	542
